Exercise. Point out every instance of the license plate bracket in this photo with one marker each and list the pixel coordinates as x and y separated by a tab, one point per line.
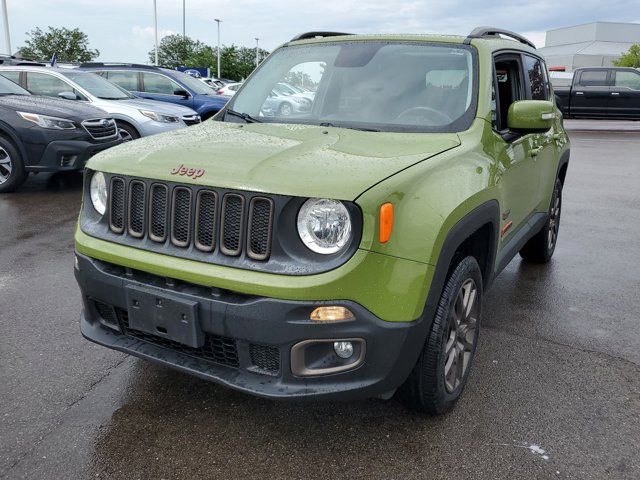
164	315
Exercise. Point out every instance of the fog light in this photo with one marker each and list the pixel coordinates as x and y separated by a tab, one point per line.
76	262
343	349
331	314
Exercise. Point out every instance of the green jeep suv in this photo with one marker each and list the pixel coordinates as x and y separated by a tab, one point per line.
340	251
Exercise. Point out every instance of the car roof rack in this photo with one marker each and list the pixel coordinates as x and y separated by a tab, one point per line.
484	32
308	35
117	64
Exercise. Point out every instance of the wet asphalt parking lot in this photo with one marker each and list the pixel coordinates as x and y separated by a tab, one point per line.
554	393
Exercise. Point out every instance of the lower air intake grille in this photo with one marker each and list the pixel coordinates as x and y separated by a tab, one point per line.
216	349
266	359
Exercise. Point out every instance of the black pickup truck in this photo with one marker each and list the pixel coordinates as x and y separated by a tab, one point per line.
601	92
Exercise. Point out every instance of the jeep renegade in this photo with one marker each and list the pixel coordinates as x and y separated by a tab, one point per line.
338	252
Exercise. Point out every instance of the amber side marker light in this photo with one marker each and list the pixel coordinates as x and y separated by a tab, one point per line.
331	314
386	222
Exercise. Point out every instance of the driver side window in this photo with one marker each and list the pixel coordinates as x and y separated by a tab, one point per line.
508	88
159	84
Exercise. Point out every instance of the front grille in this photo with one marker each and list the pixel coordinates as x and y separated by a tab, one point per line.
194	219
232	224
116	205
191	119
216	349
265	359
136	209
101	128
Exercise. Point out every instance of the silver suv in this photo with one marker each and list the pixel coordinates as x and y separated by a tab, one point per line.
135	117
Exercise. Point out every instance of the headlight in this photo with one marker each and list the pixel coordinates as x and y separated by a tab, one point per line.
98	191
45	121
159	117
324	225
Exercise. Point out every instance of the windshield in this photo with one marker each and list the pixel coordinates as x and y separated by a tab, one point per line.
98	86
198	87
372	85
7	87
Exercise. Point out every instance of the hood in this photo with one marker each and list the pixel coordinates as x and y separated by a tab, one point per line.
55	107
160	107
299	160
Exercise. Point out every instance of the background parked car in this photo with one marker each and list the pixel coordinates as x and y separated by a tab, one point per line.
213	82
229	89
47	134
135	117
285	105
162	84
601	92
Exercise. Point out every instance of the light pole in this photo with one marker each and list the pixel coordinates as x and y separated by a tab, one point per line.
155	28
218	54
257	52
5	18
184	19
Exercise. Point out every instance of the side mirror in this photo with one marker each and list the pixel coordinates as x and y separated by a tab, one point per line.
531	116
68	96
181	93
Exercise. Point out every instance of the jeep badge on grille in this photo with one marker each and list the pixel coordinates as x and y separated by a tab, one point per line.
189	172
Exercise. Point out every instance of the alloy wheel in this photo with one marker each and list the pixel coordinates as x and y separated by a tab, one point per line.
285	109
554	221
6	165
126	136
461	338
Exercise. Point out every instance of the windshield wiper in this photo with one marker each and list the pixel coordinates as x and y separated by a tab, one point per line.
245	116
362	129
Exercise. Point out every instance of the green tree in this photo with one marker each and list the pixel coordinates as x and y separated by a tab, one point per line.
236	63
68	45
176	50
630	59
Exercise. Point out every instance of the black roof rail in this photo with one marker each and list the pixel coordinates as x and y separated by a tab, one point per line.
117	64
308	35
483	32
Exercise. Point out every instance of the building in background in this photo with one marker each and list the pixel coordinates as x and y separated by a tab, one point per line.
595	44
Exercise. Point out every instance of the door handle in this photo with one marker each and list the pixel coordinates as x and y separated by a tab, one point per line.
535	151
615	93
579	93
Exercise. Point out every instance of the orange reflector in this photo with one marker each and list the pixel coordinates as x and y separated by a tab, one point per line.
386	222
331	314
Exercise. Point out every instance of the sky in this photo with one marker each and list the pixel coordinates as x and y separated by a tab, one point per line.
122	30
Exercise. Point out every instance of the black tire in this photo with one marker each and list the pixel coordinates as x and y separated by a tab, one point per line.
429	389
127	131
540	247
12	172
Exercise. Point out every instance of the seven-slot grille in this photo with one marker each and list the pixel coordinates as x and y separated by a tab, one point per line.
101	128
198	217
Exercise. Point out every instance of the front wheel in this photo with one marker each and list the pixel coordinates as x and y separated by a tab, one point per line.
285	109
540	247
127	132
440	375
12	172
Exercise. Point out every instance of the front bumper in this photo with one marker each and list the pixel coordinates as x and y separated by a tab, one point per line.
151	127
65	155
249	339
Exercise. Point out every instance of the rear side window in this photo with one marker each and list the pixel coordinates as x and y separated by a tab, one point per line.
593	78
48	85
537	76
627	79
127	80
154	83
13	76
